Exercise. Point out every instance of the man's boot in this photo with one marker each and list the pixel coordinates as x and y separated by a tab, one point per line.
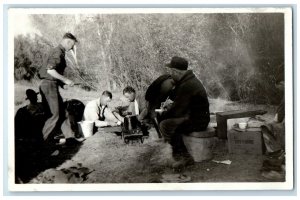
182	161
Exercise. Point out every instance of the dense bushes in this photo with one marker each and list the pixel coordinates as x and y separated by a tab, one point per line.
29	53
237	56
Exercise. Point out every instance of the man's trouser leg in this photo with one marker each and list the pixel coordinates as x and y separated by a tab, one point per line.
173	135
52	99
273	135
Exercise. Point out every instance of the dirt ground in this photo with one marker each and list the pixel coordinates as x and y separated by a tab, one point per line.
110	160
105	158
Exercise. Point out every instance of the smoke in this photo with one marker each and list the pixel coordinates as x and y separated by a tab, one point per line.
23	25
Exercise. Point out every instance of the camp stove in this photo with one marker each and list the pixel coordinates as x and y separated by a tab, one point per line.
131	129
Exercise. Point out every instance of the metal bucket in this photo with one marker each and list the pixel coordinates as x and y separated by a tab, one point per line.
200	144
86	128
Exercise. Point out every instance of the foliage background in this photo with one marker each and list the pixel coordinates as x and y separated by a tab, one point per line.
238	57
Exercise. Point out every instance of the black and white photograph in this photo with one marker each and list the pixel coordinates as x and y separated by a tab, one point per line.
150	99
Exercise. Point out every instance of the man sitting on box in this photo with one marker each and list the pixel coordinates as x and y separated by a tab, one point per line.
188	113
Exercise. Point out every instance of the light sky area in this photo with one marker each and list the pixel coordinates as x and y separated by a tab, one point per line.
22	25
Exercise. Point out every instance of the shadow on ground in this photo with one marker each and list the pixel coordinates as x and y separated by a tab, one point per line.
32	158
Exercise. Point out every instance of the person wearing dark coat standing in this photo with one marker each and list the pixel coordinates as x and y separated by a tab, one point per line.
189	111
52	73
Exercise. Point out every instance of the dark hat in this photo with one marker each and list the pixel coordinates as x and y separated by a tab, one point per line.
70	36
178	63
154	88
31	94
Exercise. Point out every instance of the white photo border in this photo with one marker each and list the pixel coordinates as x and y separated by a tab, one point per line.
287	185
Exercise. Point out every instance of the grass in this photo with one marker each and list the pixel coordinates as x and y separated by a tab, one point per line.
70	93
216	105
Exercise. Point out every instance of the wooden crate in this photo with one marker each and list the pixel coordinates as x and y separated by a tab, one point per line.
247	142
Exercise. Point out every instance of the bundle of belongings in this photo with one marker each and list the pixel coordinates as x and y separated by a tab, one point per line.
73	174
